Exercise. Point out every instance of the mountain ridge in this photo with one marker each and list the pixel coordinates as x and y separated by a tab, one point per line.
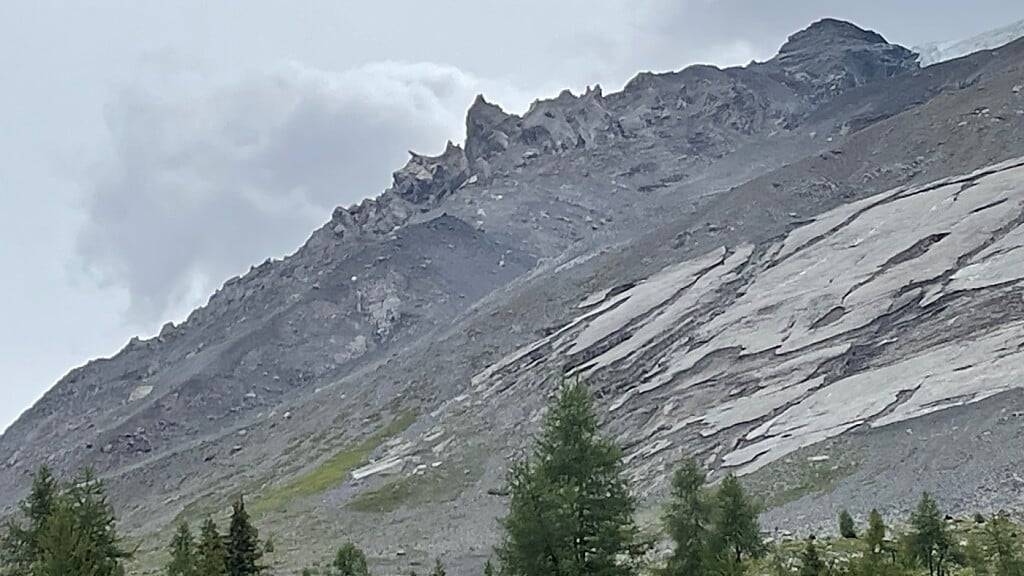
580	194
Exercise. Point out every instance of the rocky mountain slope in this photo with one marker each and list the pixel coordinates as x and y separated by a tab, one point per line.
782	268
935	52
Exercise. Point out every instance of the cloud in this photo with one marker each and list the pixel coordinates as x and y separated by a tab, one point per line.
205	178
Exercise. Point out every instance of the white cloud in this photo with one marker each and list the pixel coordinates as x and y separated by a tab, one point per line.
206	177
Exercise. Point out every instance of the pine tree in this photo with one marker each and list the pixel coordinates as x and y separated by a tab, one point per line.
846	527
243	543
777	561
80	535
350	561
929	541
65	549
211	555
571	512
977	557
873	561
182	548
811	563
874	537
737	533
488	568
19	548
686	520
1005	549
438	568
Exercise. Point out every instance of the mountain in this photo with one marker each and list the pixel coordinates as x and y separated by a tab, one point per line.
935	52
805	270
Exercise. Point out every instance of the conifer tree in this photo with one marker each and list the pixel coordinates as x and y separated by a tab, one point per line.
79	536
95	517
350	561
65	549
874	537
438	568
182	548
243	543
737	533
777	561
488	568
20	546
977	556
571	512
811	563
846	526
873	561
211	555
687	519
930	542
1004	547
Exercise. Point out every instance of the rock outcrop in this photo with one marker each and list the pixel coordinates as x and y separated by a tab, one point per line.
832	56
489	130
746	264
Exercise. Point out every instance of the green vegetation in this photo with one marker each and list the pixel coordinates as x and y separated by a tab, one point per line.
846	527
796	476
571	513
930	542
350	561
714	532
736	533
67	530
183	557
810	563
244	549
433	485
332	471
687	521
402	491
211	555
571	510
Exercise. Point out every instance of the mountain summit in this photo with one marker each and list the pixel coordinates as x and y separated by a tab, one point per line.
781	268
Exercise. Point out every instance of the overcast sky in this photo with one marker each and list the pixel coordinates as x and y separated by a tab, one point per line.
149	150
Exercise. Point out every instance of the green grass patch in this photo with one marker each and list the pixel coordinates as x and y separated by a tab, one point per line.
434	485
393	495
815	478
332	471
796	476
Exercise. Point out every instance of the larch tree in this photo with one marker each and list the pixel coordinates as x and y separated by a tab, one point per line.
182	549
1004	546
243	543
687	520
211	554
350	561
737	534
20	546
811	563
929	541
571	511
847	529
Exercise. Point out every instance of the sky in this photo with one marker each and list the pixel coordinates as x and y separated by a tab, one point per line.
150	150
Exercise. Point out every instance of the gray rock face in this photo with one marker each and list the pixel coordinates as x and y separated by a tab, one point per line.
757	265
753	352
569	122
832	56
488	130
425	180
